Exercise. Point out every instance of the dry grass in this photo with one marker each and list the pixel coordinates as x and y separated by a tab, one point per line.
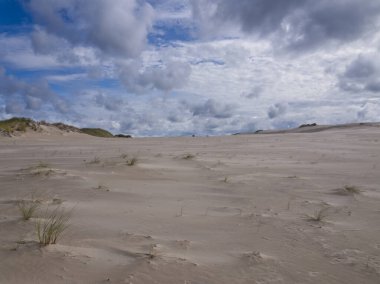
52	227
347	190
188	156
95	160
27	209
132	162
319	215
350	189
102	187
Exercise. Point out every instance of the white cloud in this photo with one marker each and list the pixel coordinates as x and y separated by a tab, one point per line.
275	71
119	29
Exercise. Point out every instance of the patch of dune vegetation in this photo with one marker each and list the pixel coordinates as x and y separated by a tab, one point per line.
17	124
97	132
22	124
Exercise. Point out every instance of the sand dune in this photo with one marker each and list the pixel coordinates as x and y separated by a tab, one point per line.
239	209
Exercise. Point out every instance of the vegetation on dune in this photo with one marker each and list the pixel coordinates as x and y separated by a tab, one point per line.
96	132
28	208
17	124
21	124
52	226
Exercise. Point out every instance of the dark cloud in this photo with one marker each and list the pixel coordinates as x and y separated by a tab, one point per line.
362	74
119	28
292	24
20	95
276	110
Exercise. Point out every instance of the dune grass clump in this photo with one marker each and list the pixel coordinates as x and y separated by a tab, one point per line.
188	157
347	190
28	209
132	162
95	160
319	215
350	189
42	164
51	228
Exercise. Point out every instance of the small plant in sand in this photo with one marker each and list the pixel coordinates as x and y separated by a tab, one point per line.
319	215
102	186
52	227
347	190
188	156
28	208
225	180
351	189
42	164
132	162
95	160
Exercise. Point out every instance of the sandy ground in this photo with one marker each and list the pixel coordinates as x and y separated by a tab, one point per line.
233	209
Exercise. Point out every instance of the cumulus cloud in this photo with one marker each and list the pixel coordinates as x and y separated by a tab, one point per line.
111	103
291	24
254	93
119	28
164	77
211	108
369	112
362	74
277	110
20	95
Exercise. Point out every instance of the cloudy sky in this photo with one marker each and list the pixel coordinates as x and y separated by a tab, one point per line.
180	67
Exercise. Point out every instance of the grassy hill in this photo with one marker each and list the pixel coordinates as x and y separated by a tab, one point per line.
17	124
96	132
21	124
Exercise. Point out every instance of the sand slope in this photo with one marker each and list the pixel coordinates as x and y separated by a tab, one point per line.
195	210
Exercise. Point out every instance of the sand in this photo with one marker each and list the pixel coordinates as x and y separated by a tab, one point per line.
237	209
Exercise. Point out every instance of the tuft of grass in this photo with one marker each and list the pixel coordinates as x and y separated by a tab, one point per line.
124	156
319	215
188	157
347	190
42	164
95	160
50	229
132	162
350	189
27	209
102	187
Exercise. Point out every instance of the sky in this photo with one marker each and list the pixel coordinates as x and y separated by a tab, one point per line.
183	67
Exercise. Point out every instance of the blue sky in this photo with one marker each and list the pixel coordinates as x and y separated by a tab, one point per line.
180	67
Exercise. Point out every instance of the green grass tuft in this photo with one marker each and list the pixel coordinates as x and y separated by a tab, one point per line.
27	209
50	229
